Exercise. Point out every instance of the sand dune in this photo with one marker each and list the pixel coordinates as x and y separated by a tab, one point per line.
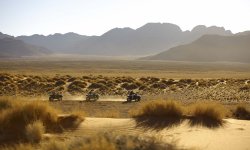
235	134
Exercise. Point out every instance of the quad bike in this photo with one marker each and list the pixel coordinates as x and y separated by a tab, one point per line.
92	97
55	96
134	97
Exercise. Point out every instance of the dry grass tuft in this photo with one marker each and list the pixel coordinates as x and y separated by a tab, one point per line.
20	121
54	145
241	112
71	121
34	131
207	114
4	104
159	108
157	115
18	147
14	120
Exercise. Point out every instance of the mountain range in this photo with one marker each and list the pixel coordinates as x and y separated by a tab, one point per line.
151	38
11	47
157	41
210	48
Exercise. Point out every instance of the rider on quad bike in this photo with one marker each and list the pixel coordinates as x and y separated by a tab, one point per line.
133	96
91	96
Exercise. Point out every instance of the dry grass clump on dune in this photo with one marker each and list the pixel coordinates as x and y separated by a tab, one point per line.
160	114
241	112
34	131
159	108
4	104
207	114
157	115
26	121
18	147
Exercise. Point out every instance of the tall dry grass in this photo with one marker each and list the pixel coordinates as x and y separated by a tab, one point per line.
158	114
34	131
20	120
4	104
209	114
241	112
159	108
18	147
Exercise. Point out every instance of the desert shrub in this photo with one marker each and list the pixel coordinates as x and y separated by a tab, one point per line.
5	77
153	79
127	79
13	121
157	115
5	103
169	82
158	86
34	131
207	114
143	87
118	81
60	83
245	88
186	81
144	79
20	121
71	121
76	87
18	147
98	86
102	82
241	112
129	86
160	108
54	145
71	79
203	83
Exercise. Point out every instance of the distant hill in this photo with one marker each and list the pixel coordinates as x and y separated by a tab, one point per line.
10	47
149	39
210	48
56	42
2	36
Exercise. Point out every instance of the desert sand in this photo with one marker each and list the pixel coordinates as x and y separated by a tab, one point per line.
235	134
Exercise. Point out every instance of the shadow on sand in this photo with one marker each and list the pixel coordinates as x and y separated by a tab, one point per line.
205	122
160	123
157	123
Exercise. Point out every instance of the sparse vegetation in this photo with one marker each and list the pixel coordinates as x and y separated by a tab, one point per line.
159	114
160	108
34	131
241	112
18	147
207	114
27	119
111	141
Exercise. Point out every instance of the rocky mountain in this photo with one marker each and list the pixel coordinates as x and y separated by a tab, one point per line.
10	47
56	42
149	39
2	36
210	48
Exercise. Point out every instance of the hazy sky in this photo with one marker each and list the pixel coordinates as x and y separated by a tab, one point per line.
94	17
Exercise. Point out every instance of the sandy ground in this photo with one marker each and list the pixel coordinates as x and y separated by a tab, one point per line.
235	134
